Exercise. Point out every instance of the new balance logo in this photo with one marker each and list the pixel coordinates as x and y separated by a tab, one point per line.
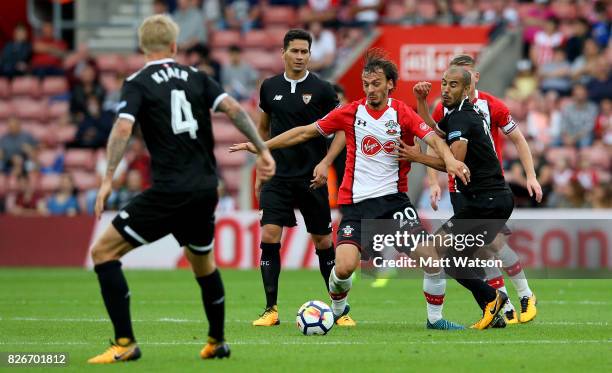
277	98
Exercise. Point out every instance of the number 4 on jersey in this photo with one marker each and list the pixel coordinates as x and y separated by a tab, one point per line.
180	106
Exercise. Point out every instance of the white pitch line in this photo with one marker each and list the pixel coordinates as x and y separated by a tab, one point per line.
202	321
313	341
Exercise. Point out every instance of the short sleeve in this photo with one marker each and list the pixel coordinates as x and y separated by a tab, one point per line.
213	92
263	103
131	99
337	120
414	124
458	128
438	112
501	117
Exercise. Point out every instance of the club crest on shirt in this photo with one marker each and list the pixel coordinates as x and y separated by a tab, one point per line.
347	231
391	127
306	97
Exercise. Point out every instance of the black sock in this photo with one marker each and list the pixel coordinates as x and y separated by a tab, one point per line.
116	297
483	293
326	263
213	297
270	265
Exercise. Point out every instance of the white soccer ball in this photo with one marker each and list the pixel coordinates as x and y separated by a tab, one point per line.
315	318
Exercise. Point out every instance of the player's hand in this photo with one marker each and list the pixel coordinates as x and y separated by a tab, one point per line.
458	169
258	184
248	146
421	90
533	187
319	175
265	165
407	152
106	188
435	194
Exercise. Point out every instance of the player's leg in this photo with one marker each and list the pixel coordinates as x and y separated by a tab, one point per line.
213	297
276	202
106	252
340	280
495	279
513	268
324	248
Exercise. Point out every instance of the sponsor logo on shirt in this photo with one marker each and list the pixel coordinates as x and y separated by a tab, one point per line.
454	134
370	146
277	98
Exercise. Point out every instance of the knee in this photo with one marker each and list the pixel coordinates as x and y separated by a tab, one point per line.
344	268
270	235
101	254
322	242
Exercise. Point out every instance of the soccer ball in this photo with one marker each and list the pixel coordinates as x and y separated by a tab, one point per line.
315	318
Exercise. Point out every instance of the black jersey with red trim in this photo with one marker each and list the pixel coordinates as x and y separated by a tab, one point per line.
465	123
291	103
171	103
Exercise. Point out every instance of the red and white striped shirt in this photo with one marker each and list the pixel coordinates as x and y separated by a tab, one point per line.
371	135
496	114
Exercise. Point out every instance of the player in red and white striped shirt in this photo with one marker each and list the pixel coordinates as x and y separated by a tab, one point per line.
499	119
375	181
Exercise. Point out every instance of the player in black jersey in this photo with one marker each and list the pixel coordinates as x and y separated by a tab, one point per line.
294	98
172	104
489	201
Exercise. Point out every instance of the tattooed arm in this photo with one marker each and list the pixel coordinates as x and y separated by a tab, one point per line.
117	143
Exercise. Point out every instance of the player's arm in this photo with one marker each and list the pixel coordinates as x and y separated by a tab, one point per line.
264	126
533	186
421	90
412	153
320	171
453	163
294	136
115	149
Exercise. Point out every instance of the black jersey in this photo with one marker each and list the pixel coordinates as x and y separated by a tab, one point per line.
172	103
292	103
465	123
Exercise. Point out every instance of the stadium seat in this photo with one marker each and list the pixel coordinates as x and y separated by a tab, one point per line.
221	55
6	110
54	85
227	159
394	11
227	134
82	159
4	88
57	109
63	134
276	36
48	182
224	38
232	178
25	86
36	129
279	15
596	156
264	60
30	109
46	157
134	62
256	39
110	63
84	180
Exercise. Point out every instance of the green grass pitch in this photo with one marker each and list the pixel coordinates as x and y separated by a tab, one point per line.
60	310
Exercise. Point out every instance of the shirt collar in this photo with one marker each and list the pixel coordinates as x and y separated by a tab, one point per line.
159	62
295	82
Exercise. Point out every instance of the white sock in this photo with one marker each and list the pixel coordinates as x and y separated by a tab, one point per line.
338	292
512	266
434	287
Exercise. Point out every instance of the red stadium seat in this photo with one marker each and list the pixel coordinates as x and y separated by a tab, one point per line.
84	180
5	88
25	86
276	35
110	63
134	63
264	60
48	182
256	39
36	129
30	109
46	157
6	110
227	159
227	134
57	109
79	159
224	39
54	85
63	134
279	15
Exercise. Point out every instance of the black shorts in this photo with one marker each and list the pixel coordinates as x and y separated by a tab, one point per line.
484	214
279	198
394	206
458	201
189	216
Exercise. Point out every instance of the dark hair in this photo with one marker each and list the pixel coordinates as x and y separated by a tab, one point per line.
463	60
338	89
235	48
297	34
465	75
376	59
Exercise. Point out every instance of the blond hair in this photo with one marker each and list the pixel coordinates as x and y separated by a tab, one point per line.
157	33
